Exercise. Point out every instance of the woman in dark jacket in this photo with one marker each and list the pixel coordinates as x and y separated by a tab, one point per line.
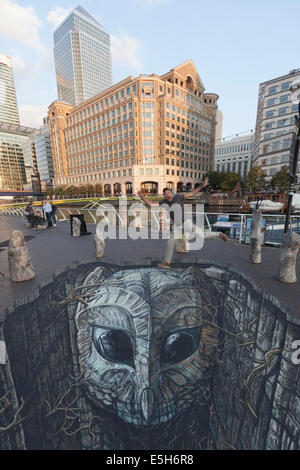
52	214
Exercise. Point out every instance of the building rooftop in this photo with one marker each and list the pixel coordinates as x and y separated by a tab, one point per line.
288	75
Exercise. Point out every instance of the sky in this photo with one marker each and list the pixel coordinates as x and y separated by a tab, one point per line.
235	45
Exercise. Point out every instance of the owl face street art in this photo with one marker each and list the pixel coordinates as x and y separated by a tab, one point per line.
127	358
146	344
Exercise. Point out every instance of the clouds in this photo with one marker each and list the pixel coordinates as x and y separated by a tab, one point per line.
20	24
32	116
57	15
125	51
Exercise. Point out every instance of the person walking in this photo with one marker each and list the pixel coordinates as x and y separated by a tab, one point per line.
52	213
185	226
47	211
30	213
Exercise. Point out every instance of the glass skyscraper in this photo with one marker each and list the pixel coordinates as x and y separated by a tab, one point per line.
44	156
8	101
82	58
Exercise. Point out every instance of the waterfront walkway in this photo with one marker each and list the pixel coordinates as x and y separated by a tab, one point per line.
53	249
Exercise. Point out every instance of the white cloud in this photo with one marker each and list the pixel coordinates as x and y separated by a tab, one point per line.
20	24
151	3
32	116
57	15
125	51
21	68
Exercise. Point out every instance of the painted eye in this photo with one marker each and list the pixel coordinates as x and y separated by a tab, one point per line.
113	345
177	347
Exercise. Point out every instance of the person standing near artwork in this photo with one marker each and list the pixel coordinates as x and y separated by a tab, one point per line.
52	214
185	226
47	208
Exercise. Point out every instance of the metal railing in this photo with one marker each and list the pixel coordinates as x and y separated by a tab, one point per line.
236	225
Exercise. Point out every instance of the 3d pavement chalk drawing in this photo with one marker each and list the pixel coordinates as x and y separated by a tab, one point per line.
108	356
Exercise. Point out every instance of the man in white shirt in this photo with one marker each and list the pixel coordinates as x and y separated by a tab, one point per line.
47	211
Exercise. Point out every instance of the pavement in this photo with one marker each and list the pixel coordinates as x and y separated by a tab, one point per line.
53	249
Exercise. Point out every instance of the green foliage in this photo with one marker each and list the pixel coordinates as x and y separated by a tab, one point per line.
281	180
256	179
230	181
215	179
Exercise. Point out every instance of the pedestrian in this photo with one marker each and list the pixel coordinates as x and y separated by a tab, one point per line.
52	214
185	226
30	213
47	211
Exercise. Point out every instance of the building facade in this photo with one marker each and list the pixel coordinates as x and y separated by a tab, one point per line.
234	155
44	156
17	157
8	101
82	58
274	123
143	133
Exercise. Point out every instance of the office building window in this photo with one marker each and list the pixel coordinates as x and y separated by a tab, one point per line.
272	90
285	86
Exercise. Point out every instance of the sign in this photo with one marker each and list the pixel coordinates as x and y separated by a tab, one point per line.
248	229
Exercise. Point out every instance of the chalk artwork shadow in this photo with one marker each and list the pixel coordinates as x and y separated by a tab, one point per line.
112	357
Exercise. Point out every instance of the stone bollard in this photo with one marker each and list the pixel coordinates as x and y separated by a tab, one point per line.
288	257
19	262
255	237
100	246
76	227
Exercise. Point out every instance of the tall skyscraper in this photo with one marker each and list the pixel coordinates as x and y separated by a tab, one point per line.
44	155
8	101
82	58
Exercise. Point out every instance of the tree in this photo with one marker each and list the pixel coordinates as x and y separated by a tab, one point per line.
256	179
81	189
215	179
230	181
50	192
281	180
98	189
89	189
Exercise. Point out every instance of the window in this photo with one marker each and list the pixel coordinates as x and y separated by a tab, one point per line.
282	111
272	90
271	102
285	86
269	114
281	122
269	125
284	98
286	143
